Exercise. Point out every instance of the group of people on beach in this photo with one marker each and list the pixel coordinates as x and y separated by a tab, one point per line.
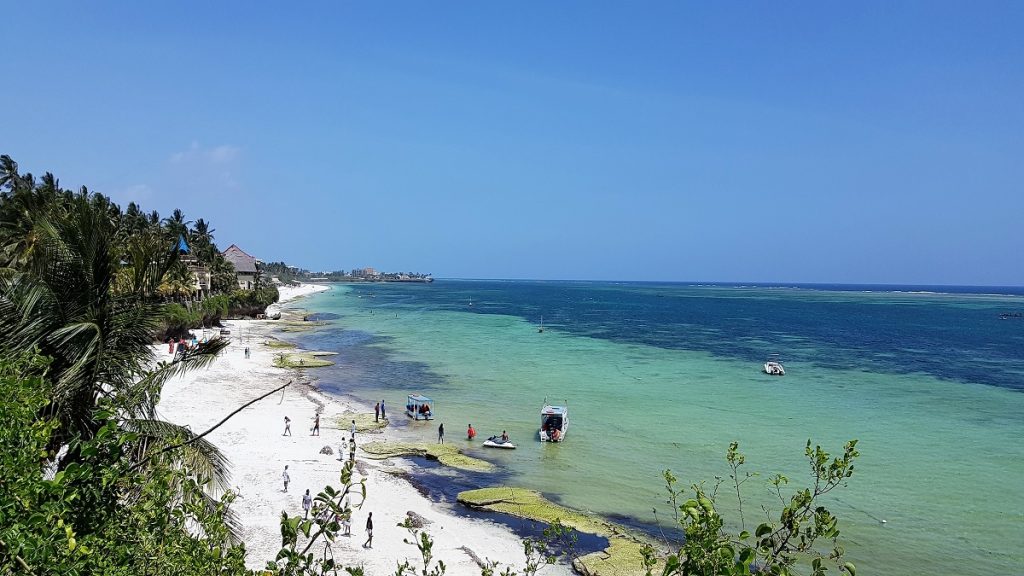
182	345
314	431
323	513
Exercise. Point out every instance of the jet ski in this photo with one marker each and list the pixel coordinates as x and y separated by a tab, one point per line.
497	442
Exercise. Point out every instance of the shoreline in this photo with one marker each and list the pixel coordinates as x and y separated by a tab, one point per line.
253	443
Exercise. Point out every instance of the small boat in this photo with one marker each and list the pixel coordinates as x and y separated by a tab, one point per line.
498	442
554	422
773	366
541	329
419	407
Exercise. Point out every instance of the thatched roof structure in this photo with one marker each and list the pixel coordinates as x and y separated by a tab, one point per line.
243	263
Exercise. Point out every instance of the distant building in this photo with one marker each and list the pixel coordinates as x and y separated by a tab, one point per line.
364	273
245	266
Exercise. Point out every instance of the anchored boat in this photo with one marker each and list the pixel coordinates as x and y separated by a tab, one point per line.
773	366
419	407
554	422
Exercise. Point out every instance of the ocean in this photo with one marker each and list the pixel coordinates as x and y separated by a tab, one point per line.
665	376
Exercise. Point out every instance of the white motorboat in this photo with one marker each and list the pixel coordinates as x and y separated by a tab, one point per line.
499	442
554	423
773	366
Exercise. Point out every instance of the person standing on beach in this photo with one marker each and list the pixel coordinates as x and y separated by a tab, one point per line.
285	477
346	522
440	434
376	412
316	425
287	426
353	430
382	413
369	532
307	501
352	450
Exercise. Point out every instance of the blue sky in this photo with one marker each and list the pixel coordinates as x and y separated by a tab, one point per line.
865	142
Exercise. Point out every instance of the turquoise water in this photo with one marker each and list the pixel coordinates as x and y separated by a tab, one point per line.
665	376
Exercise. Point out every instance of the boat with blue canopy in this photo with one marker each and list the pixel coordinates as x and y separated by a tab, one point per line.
419	407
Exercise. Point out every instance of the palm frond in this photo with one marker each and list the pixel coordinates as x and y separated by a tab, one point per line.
201	457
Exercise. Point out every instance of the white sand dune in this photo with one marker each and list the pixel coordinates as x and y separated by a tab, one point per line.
258	452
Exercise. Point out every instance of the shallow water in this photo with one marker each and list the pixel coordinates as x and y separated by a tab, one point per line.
665	376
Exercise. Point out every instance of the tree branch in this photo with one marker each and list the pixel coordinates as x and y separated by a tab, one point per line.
208	430
20	560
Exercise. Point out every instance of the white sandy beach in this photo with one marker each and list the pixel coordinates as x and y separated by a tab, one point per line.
258	452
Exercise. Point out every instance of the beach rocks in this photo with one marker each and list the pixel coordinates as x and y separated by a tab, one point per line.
326	450
415	520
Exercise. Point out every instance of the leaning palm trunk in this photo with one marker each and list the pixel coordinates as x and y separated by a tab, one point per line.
62	302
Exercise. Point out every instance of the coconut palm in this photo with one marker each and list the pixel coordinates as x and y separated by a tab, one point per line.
202	241
61	301
24	205
176	224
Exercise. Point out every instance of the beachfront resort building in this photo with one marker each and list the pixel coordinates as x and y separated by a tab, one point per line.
245	266
368	273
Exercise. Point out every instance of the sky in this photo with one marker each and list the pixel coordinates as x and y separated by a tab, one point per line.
845	142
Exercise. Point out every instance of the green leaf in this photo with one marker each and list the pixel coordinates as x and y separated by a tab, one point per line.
744	535
763	529
849	567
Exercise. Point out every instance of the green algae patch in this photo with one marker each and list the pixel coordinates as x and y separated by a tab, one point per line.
622	557
364	422
446	454
531	505
300	360
274	343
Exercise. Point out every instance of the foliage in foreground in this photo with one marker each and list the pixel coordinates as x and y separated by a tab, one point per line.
776	546
102	514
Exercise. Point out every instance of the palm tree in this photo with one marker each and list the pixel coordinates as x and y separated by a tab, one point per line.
202	241
61	301
176	224
24	207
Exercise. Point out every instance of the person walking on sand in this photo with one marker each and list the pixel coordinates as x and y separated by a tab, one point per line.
307	501
352	450
285	477
369	532
376	412
316	425
287	426
353	430
346	522
440	434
